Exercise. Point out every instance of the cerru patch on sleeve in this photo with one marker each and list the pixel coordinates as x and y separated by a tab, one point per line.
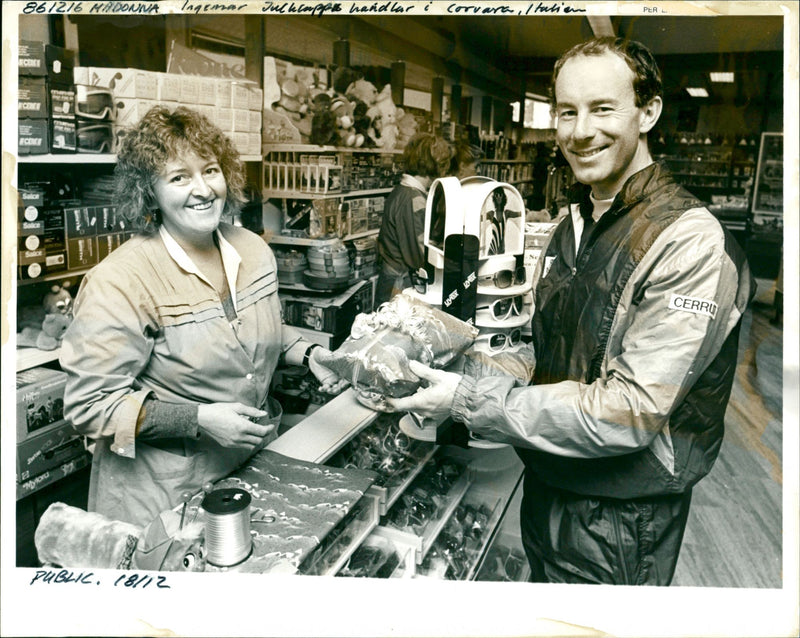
693	304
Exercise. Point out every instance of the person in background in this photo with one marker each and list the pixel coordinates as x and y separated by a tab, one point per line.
466	160
426	158
176	334
639	296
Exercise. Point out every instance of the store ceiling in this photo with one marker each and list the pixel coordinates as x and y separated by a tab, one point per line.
688	47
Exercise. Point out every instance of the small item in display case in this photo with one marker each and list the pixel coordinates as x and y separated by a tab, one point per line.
376	557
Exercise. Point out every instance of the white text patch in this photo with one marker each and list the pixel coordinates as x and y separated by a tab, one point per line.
693	304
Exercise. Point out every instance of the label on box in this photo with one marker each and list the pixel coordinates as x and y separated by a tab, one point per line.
40	399
32	101
108	243
50	449
31	58
26	257
81	252
223	117
256	99
30	243
207	91
240	95
25	228
62	102
223	94
55	261
54	240
60	64
190	89
169	87
64	136
241	121
127	83
80	221
33	137
131	110
52	217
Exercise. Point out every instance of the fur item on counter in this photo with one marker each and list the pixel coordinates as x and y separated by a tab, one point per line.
71	537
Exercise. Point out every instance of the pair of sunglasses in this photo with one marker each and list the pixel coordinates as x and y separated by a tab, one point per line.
499	341
94	103
94	138
505	278
505	307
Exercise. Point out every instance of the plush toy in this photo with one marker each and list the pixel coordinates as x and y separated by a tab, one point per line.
407	127
71	537
343	109
44	327
364	90
362	123
323	122
384	119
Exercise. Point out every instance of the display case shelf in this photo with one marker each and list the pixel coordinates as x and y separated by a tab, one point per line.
31	357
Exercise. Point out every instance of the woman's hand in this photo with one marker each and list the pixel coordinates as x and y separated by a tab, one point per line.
230	424
432	401
330	382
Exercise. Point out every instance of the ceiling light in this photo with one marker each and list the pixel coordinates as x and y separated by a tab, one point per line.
697	92
722	77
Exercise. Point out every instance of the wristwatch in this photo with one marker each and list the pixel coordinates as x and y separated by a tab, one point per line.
307	354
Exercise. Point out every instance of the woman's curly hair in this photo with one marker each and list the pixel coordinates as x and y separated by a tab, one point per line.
160	136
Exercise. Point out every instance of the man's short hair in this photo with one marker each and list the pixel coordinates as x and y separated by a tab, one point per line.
647	82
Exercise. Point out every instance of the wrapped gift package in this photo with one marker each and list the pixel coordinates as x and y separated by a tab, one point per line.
375	357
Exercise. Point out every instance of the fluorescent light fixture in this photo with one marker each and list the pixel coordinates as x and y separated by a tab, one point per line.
726	76
697	91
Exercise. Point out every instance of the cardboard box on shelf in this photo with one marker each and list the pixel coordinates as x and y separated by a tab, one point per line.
222	96
62	101
223	117
130	110
123	82
43	452
32	98
40	481
55	261
108	243
63	136
207	91
33	137
169	87
81	252
30	272
39	59
31	58
80	221
190	90
40	400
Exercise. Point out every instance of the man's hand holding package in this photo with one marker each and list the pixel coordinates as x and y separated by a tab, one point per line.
432	401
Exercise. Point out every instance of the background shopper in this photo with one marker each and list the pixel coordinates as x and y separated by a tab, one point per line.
400	243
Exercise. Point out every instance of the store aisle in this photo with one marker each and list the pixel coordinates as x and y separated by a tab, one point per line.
734	534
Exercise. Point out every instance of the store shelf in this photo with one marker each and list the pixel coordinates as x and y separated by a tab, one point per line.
74	158
31	357
56	276
311	148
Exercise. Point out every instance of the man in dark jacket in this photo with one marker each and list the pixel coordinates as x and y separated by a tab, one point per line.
639	296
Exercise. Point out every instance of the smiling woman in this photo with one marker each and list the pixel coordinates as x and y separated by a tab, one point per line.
169	416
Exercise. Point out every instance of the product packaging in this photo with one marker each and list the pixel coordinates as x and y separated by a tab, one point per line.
375	358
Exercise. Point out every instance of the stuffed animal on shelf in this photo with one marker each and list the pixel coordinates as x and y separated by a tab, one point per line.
363	90
71	537
323	122
407	127
44	327
345	122
384	119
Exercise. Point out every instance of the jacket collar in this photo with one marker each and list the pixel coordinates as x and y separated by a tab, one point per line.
638	186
